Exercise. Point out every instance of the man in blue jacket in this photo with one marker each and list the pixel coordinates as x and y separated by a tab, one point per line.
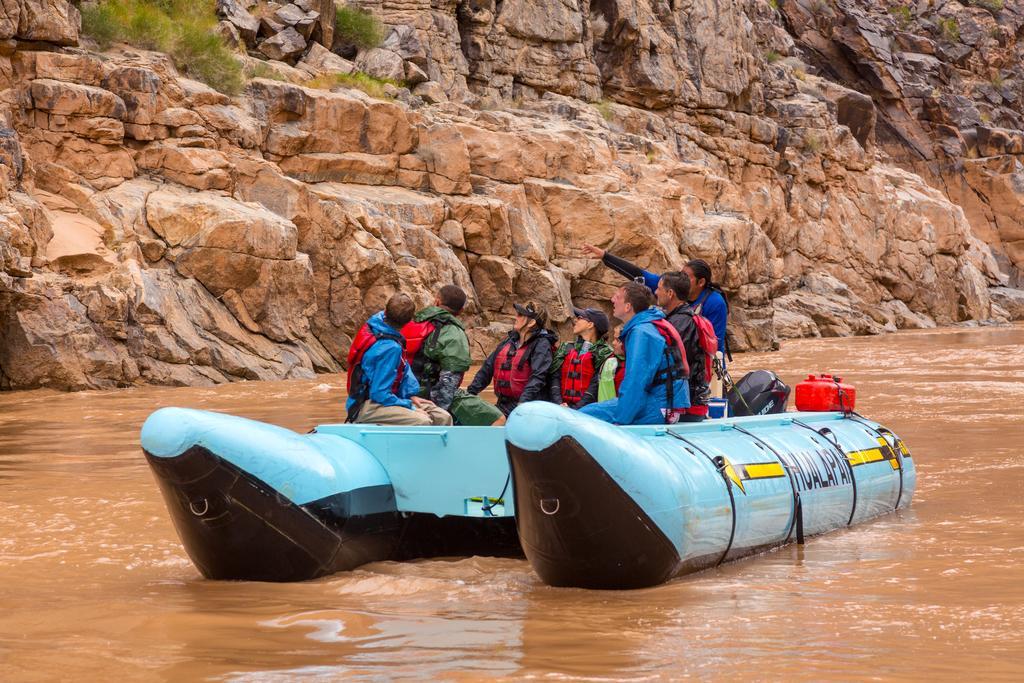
706	297
656	386
381	385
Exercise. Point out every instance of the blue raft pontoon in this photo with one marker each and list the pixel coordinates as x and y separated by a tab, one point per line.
590	504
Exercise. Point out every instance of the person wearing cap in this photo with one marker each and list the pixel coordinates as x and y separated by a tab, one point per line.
576	369
520	364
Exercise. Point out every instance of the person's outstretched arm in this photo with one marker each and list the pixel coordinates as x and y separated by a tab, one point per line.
623	267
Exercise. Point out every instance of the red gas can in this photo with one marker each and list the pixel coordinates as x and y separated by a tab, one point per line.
824	393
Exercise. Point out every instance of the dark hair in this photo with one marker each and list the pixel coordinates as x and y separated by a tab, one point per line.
678	283
637	295
702	271
399	309
453	298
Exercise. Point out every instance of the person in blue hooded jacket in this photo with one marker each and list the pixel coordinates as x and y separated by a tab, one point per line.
381	384
706	297
651	373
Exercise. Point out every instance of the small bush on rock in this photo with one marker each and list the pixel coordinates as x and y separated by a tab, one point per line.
184	29
950	29
902	15
993	6
374	87
357	27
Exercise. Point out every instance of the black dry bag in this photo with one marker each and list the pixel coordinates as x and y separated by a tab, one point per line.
760	392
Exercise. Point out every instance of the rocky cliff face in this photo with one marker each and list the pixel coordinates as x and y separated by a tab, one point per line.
154	230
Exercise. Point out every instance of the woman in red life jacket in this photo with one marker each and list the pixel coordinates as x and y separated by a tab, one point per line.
576	369
520	364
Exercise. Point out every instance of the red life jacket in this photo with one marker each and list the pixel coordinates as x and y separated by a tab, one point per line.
418	335
620	372
577	371
358	390
708	341
676	367
512	371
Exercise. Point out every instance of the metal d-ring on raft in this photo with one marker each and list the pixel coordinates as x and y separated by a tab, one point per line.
591	504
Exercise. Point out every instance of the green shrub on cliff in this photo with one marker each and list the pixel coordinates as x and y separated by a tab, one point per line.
993	6
357	27
184	29
902	15
950	29
372	86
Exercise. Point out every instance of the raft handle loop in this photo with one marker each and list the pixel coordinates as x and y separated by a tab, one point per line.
408	432
798	509
197	513
544	509
719	463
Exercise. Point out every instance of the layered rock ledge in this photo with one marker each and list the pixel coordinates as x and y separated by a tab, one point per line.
153	230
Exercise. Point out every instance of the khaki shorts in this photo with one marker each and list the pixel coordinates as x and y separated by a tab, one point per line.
375	413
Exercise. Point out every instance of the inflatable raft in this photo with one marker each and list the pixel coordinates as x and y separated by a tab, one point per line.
594	505
600	506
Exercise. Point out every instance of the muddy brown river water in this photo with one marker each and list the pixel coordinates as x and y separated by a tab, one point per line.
95	585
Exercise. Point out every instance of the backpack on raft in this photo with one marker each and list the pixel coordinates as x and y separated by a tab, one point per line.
708	341
418	336
760	392
357	389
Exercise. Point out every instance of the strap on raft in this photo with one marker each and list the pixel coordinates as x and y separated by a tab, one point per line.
719	463
893	449
834	441
798	509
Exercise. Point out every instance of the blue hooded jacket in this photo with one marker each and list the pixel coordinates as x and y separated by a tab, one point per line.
380	364
639	402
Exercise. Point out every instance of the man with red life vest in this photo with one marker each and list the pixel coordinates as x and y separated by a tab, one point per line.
437	349
672	295
576	369
520	364
656	384
381	386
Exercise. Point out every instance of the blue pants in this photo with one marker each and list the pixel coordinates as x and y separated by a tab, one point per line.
605	410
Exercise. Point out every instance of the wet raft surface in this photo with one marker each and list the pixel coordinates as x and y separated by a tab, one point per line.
94	582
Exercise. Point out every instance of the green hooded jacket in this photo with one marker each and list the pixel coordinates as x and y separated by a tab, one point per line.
447	355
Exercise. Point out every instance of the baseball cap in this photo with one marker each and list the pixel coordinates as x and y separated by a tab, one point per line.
532	311
595	316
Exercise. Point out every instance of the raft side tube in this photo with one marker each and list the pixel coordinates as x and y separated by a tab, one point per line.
254	501
599	505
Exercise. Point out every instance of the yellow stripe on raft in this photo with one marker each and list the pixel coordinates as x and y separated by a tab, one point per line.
763	470
865	456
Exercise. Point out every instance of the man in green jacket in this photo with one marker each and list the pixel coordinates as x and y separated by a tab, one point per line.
437	348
